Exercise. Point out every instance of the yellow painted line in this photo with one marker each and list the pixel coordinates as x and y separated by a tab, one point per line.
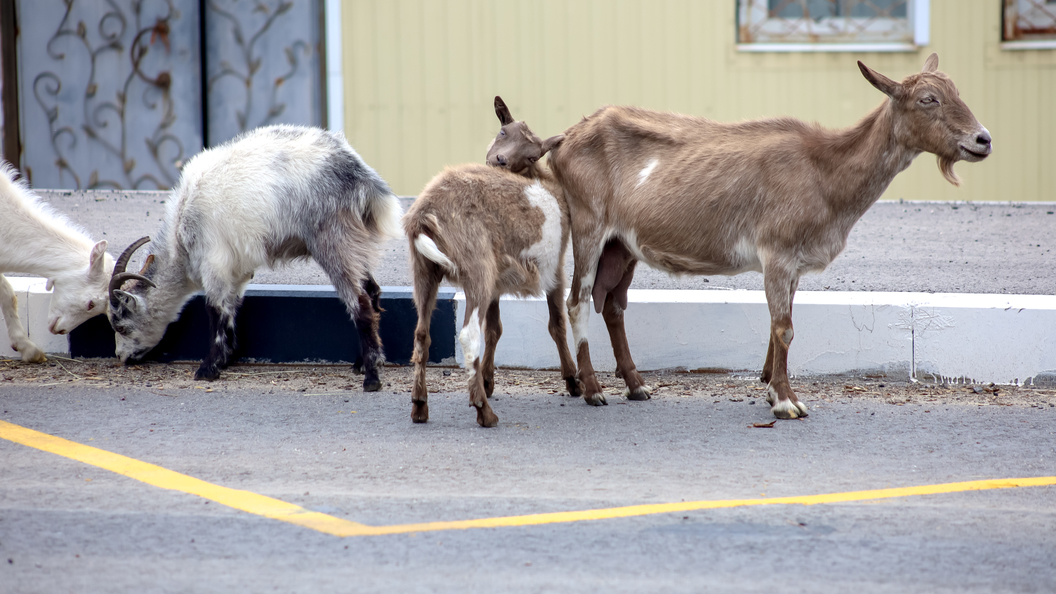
294	514
168	479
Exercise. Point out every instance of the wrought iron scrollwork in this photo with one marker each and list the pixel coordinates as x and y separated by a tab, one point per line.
251	60
105	121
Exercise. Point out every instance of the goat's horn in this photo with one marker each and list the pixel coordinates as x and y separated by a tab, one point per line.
122	277
122	260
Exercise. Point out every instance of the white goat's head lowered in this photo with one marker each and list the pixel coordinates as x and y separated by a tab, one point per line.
80	294
516	148
932	117
136	331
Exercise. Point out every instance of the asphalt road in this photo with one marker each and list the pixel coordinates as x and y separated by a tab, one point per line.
66	526
937	247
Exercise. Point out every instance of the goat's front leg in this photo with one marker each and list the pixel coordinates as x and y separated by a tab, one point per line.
492	333
585	252
15	331
558	331
780	289
470	338
222	329
768	365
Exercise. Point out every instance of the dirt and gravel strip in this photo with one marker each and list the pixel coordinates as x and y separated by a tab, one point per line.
331	379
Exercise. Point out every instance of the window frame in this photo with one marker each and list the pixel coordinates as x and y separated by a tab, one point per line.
918	15
1010	13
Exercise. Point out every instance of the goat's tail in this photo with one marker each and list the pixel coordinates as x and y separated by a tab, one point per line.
425	246
382	213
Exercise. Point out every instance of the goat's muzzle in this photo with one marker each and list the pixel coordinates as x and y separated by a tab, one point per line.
977	148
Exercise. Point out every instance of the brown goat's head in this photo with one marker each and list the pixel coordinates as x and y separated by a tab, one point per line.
516	147
930	116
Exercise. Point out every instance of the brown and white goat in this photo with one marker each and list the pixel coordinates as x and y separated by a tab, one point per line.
778	196
493	229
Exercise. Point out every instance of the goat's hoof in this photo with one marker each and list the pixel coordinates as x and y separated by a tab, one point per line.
487	417
31	354
789	408
371	384
419	412
639	393
786	409
575	390
207	374
595	399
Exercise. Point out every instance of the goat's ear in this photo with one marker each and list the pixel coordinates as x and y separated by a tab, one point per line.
551	143
882	83
147	265
123	300
931	64
502	111
96	259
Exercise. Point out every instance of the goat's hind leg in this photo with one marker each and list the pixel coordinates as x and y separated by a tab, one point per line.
427	277
492	333
368	319
340	250
612	312
470	338
15	331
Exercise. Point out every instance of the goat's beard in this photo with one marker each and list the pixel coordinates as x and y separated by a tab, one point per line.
946	167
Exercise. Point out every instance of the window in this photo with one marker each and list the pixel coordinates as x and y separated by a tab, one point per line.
832	25
1029	24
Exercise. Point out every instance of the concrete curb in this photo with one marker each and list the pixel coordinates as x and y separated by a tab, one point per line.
1005	339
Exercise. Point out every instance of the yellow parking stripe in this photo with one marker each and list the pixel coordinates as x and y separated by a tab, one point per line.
294	514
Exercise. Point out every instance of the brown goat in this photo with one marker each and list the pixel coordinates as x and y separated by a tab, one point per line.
778	196
493	230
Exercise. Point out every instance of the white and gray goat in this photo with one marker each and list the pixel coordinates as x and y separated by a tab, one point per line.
34	239
272	195
493	229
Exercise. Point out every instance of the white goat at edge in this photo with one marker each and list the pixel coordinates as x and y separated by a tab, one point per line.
34	239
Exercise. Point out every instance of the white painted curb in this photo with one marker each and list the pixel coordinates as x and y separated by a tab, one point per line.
33	303
1005	339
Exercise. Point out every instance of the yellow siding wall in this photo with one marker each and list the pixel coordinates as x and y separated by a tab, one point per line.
420	76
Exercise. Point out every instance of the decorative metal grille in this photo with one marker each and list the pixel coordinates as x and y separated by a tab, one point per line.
824	21
111	91
263	65
1029	20
108	92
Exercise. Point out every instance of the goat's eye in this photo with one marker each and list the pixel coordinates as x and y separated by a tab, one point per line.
928	101
91	305
502	132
